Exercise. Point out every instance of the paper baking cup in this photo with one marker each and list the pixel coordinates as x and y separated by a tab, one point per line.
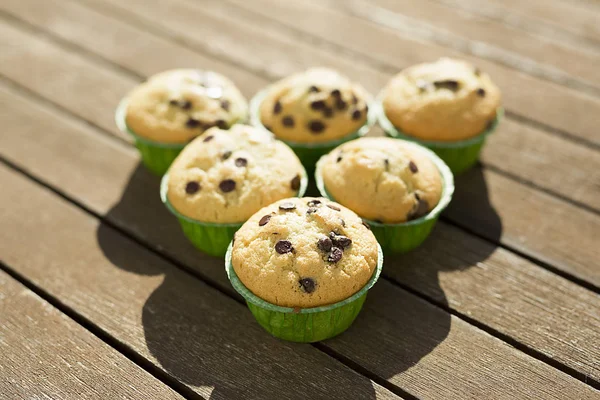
210	238
309	153
156	156
406	236
304	325
459	156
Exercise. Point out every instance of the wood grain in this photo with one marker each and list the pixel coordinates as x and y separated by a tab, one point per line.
492	286
204	339
515	209
557	15
562	108
211	343
478	36
47	355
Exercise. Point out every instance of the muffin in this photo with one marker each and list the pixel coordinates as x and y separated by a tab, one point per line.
392	183
223	177
304	253
304	256
446	101
178	105
313	111
173	107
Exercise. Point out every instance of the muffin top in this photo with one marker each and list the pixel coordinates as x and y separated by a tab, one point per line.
226	176
304	252
176	106
317	105
447	100
382	179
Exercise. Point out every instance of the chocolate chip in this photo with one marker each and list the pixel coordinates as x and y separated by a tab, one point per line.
208	138
311	210
335	255
192	187
341	104
413	167
225	105
284	246
226	155
241	162
264	220
481	92
340	241
192	123
287	206
318	105
221	124
334	207
338	159
295	183
386	162
307	284
228	185
186	105
343	223
277	107
325	244
356	115
421	209
336	93
316	126
173	102
314	89
328	112
447	84
288	121
313	203
366	225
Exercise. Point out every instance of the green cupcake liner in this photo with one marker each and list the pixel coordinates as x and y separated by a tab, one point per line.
304	325
156	156
459	156
309	153
406	236
208	237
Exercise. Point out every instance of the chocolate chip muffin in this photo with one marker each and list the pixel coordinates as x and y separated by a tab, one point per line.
226	176
447	100
176	106
304	252
315	106
382	179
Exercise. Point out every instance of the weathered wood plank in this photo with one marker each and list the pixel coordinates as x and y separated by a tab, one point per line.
46	355
557	15
206	340
492	286
479	36
579	263
562	108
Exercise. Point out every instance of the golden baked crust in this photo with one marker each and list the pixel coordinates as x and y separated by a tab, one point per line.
447	100
318	105
382	179
304	253
226	176
176	106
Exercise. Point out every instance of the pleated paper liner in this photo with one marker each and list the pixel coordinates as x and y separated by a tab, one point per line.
309	153
406	236
210	238
304	325
459	156
156	156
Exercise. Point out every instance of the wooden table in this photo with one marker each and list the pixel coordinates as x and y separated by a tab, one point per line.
102	297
